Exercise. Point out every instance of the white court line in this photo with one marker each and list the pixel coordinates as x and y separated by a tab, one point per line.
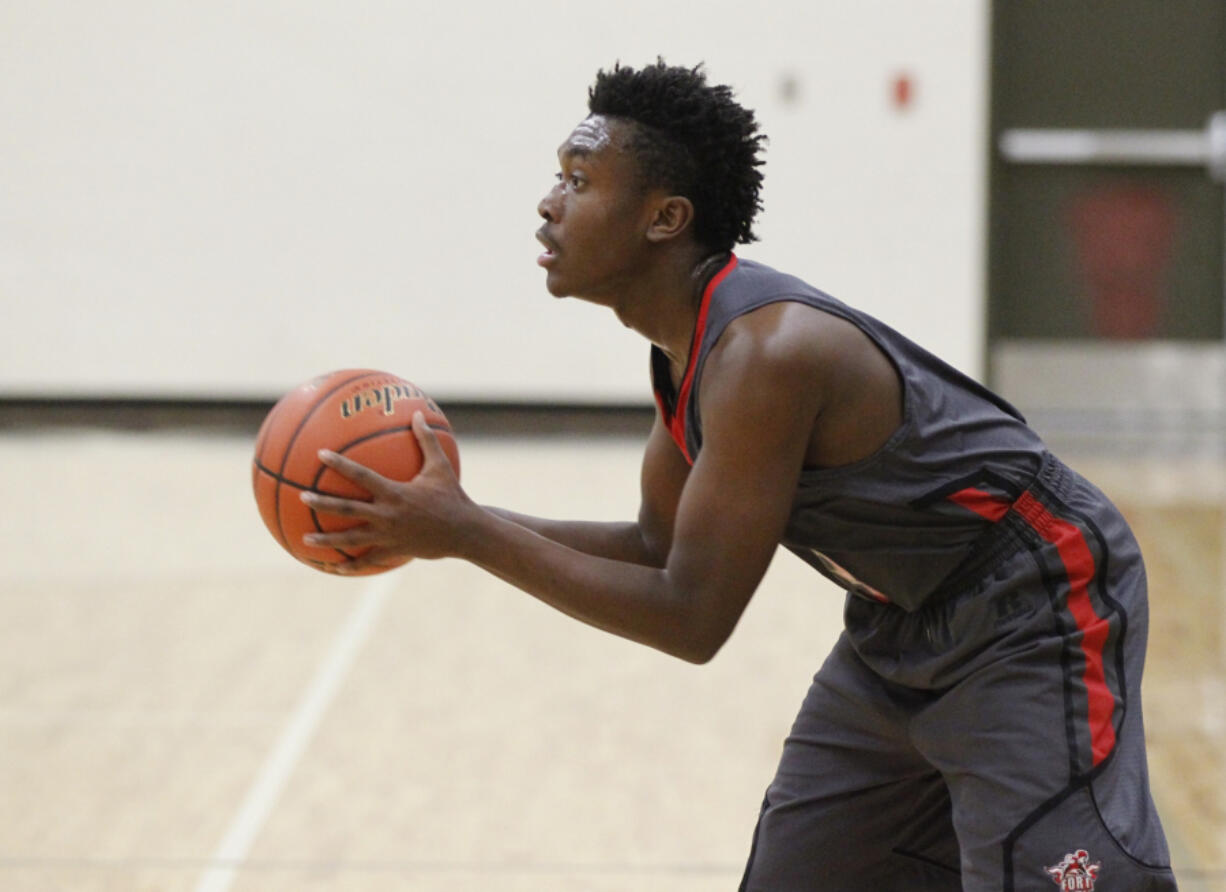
253	814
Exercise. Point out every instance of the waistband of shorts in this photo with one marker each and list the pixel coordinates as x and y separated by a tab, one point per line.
1052	474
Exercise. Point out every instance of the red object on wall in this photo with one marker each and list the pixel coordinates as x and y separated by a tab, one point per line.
1123	235
902	91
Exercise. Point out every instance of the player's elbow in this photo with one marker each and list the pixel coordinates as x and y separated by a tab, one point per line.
698	656
694	613
699	625
701	644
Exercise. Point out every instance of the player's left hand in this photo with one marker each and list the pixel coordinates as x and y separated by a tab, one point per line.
420	518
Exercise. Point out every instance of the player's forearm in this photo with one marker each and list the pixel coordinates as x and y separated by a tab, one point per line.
616	541
627	599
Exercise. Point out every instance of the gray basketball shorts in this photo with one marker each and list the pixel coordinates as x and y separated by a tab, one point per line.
991	740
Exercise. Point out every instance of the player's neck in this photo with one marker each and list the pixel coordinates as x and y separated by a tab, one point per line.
663	306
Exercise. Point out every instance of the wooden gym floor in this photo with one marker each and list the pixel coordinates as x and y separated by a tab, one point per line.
183	707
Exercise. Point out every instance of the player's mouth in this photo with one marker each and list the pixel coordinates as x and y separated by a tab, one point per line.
551	249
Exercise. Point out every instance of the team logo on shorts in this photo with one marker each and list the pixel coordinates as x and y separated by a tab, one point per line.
1075	873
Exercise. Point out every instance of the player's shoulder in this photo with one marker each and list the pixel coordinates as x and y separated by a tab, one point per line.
785	333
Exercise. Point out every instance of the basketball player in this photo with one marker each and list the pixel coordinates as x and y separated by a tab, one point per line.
978	724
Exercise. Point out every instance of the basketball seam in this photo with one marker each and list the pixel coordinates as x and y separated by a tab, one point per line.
276	504
304	487
374	435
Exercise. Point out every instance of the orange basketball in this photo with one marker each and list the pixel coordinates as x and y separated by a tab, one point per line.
362	414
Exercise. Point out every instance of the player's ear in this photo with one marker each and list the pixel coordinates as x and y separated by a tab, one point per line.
672	215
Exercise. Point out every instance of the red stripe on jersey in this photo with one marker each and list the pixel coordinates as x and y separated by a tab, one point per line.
676	422
982	503
1079	566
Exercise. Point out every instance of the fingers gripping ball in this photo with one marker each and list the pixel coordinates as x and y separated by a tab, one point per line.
362	414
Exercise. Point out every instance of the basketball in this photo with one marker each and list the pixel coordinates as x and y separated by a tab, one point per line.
361	414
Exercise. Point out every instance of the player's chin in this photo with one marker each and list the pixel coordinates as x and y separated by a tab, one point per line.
557	285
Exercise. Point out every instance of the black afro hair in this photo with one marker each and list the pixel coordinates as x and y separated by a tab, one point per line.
692	138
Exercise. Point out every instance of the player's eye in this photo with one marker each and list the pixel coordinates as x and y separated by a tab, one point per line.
573	180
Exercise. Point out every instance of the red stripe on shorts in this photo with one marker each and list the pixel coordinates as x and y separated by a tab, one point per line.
982	503
1079	566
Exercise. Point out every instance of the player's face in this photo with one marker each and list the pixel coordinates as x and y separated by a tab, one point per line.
596	216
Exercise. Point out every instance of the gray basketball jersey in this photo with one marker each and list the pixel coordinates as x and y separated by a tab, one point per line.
892	526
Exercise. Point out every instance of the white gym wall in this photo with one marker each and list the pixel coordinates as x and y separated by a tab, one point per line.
219	200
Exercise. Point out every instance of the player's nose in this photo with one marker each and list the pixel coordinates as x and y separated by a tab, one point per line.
549	207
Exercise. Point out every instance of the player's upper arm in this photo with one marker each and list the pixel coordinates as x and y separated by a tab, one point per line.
761	392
